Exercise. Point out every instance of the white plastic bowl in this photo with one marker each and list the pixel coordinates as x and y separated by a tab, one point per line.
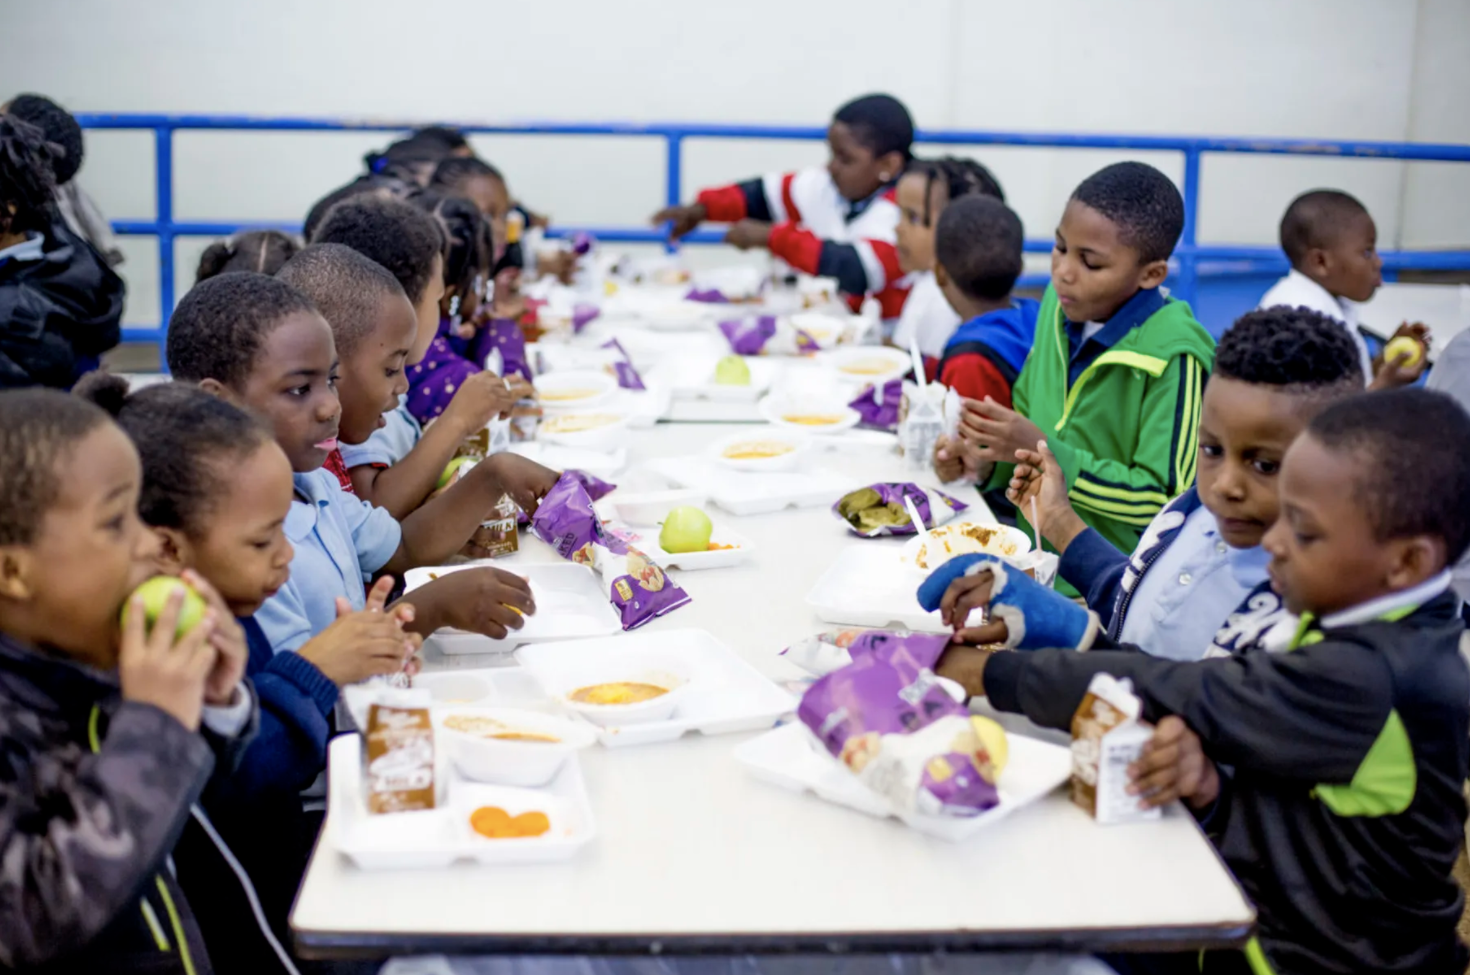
607	436
787	461
828	331
775	409
1007	542
652	507
869	363
507	761
660	669
583	388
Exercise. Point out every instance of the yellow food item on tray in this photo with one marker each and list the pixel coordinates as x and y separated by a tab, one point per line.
495	823
618	692
868	367
578	423
813	419
758	450
565	395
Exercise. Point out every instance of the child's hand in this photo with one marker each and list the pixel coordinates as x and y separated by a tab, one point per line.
154	668
1173	765
995	431
1024	614
507	301
949	461
1038	475
962	597
965	666
684	218
228	640
1397	373
522	478
481	600
370	643
559	264
480	399
747	234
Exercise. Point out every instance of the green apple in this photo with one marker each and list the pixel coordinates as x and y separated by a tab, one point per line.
450	469
686	529
732	371
155	593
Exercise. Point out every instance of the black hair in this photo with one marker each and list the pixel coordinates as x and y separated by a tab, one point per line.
1316	219
188	442
60	128
978	242
880	123
1411	451
454	171
262	251
27	183
1296	348
345	286
467	257
396	234
374	185
446	136
405	157
1143	203
959	175
218	328
38	427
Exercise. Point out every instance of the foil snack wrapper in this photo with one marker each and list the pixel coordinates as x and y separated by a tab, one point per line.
637	587
621	367
878	509
887	718
878	405
749	335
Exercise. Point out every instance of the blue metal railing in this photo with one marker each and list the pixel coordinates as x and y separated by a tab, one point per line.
1192	258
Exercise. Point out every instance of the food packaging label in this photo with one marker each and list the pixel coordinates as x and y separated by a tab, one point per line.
499	536
888	719
1108	736
878	509
398	752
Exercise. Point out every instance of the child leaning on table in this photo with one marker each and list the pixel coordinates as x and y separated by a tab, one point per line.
260	344
1197	584
216	491
109	737
393	463
1333	782
1117	370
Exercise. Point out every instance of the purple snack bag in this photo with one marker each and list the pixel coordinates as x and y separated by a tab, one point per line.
748	336
878	509
582	316
709	296
882	413
627	376
887	718
637	588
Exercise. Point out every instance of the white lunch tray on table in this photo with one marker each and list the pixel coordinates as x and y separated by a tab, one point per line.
441	836
869	585
790	757
598	463
570	604
752	493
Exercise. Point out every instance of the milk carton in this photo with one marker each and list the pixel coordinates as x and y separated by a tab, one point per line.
1107	737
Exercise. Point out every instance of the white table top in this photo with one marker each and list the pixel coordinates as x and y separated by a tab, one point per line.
695	854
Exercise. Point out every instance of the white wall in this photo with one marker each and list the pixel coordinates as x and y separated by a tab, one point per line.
1337	69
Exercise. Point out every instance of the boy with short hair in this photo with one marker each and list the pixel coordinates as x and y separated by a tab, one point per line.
1341	812
1117	370
1196	584
1332	243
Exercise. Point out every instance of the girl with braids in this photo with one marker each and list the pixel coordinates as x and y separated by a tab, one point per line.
482	184
261	251
923	192
60	303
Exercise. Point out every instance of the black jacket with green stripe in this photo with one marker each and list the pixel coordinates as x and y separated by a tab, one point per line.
1344	814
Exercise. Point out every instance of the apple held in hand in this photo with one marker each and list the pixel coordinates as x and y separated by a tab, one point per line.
452	468
732	370
686	529
1401	346
155	593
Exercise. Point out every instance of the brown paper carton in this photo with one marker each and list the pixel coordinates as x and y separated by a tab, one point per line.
500	535
1107	737
398	755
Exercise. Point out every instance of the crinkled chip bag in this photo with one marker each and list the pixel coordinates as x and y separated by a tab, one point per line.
878	509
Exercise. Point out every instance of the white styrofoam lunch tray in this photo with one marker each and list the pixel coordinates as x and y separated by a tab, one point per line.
791	758
725	694
868	585
599	463
749	493
439	837
692	377
646	541
570	604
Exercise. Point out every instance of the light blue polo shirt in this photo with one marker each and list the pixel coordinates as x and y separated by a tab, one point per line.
340	541
389	445
1190	590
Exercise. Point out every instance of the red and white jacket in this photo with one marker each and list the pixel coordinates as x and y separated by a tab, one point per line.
820	232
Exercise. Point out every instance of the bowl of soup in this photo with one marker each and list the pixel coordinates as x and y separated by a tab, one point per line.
625	690
866	364
763	450
506	746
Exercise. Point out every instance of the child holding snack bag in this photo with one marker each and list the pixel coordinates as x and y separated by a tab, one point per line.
1336	795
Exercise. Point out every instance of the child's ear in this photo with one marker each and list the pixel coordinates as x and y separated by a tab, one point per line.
216	388
941	276
1152	274
1317	263
1416	560
16	569
173	550
890	166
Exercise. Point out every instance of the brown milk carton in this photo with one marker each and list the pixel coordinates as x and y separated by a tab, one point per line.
499	535
1107	737
398	752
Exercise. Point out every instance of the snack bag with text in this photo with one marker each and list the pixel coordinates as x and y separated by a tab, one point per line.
878	509
888	719
638	589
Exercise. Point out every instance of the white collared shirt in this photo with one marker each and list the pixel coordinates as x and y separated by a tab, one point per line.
1296	289
926	317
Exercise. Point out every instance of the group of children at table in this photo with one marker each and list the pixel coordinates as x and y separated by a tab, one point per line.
1262	546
